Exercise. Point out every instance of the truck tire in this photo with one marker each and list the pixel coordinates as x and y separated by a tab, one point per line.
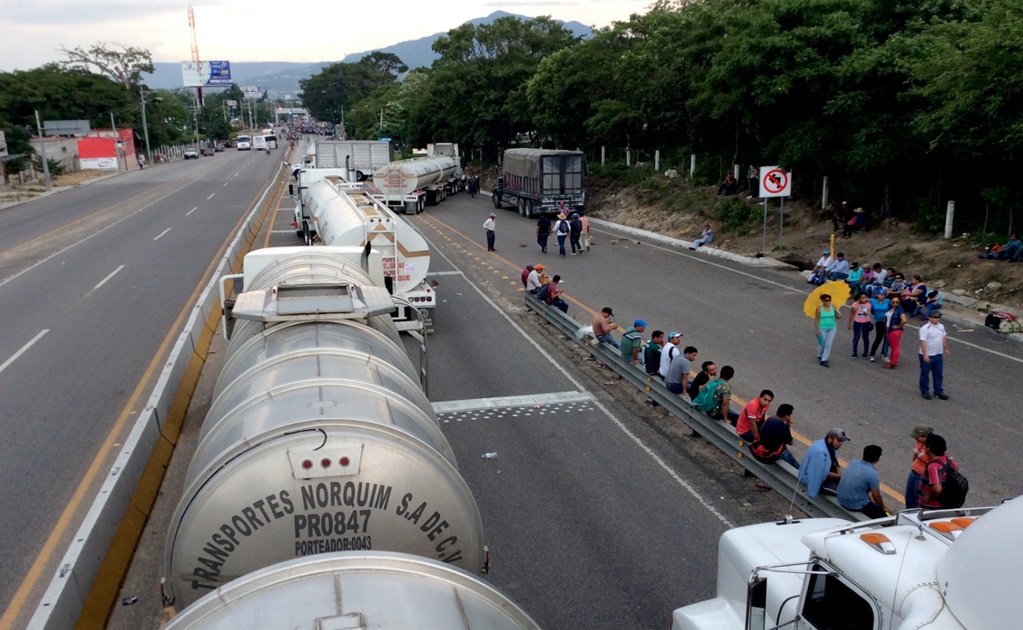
529	209
494	198
522	206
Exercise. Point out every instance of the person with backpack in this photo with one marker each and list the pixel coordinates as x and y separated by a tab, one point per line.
942	485
550	293
575	227
919	465
715	397
562	230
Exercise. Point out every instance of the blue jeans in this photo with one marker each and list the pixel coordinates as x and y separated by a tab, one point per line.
562	304
837	275
824	341
674	388
931	367
913	490
490	240
790	459
609	340
862	330
541	240
561	243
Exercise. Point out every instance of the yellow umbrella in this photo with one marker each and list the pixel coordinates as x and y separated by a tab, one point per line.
839	292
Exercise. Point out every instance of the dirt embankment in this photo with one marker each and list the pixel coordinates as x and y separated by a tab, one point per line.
673	208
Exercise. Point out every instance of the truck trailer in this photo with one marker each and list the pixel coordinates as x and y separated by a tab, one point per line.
541	181
361	158
917	570
413	184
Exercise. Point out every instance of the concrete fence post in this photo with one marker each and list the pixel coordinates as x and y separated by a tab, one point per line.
949	214
692	165
657	160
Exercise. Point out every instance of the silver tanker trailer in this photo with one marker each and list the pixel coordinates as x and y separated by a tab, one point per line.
414	184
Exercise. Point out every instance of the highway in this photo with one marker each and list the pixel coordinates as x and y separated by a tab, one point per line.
93	283
600	511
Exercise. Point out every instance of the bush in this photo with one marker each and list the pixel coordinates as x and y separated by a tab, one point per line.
735	215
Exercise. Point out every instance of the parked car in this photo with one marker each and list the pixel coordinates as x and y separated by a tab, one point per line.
191	154
228	144
206	151
218	148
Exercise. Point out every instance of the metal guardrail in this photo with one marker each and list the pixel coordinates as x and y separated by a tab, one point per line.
780	476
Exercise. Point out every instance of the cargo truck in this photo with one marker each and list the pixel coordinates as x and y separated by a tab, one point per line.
541	181
361	158
918	570
413	184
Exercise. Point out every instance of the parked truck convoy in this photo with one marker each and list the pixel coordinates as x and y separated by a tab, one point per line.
918	570
362	158
319	440
413	184
340	213
541	181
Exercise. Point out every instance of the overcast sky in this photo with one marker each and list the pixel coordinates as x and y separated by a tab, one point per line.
33	31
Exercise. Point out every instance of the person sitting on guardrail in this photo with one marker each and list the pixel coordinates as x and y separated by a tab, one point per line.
603	326
819	470
669	352
707	371
551	294
652	353
525	275
632	342
677	378
775	438
753	416
535	279
859	489
721	392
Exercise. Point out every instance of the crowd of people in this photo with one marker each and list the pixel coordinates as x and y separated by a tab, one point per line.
573	228
768	436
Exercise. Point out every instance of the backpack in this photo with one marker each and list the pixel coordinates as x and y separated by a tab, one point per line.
705	399
542	293
954	489
562	227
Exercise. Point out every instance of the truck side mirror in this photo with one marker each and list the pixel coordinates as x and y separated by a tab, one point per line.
291	190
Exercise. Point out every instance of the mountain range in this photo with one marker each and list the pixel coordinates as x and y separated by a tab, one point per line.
280	78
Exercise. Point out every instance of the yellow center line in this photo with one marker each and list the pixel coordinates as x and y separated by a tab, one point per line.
795	435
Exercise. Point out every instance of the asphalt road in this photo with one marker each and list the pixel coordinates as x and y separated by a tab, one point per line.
92	282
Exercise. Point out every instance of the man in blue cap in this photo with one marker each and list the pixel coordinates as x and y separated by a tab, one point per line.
817	277
632	341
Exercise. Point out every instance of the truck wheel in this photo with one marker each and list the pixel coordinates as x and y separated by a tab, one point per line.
529	209
522	207
495	200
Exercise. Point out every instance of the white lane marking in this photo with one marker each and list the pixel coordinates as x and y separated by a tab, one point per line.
288	231
94	234
25	347
445	273
104	280
162	233
225	185
210	197
236	174
191	211
450	406
624	429
704	261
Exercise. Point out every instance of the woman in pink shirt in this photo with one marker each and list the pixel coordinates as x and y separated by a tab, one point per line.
861	322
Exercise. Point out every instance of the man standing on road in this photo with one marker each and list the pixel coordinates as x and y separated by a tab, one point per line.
678	372
543	232
669	352
933	342
652	353
490	225
820	470
859	489
585	221
632	342
575	227
602	327
936	471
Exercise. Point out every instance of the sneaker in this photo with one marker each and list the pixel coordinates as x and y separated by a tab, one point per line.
864	355
826	364
941	396
872	359
855	356
925	396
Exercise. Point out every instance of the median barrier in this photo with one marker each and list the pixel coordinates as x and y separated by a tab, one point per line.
780	476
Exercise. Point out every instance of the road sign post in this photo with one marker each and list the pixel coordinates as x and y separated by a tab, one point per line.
774	182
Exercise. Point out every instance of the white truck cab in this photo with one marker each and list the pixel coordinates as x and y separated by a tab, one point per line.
918	570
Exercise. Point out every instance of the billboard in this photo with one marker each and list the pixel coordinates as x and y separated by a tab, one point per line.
252	91
206	73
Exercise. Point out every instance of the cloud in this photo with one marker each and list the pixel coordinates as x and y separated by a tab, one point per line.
60	13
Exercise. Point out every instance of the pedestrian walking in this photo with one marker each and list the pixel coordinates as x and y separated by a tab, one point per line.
879	306
585	240
575	231
543	232
919	465
561	230
860	322
933	343
895	325
490	225
825	321
142	161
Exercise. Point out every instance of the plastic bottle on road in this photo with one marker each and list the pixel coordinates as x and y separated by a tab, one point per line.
489	455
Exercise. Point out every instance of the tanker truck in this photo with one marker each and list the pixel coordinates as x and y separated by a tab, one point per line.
413	184
541	181
339	213
354	591
320	437
939	570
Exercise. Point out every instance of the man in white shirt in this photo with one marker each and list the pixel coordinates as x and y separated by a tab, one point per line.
933	344
533	282
489	225
821	267
669	352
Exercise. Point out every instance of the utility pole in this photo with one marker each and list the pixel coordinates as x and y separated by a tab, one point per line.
117	143
145	127
42	151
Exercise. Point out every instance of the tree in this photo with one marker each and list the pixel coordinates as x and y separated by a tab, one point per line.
124	66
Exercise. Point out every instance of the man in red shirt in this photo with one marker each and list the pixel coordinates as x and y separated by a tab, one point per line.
753	416
934	474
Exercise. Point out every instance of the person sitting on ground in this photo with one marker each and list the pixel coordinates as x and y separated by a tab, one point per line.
775	438
551	294
706	237
859	489
819	470
677	378
898	283
1011	251
632	342
603	326
855	279
729	186
914	295
838	270
817	275
707	371
854	223
652	353
753	416
933	303
841	215
723	397
877	280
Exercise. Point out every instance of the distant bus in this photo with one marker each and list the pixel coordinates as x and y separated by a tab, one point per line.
259	143
271	140
244	143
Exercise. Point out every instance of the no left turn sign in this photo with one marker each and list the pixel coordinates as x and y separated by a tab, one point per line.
775	182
